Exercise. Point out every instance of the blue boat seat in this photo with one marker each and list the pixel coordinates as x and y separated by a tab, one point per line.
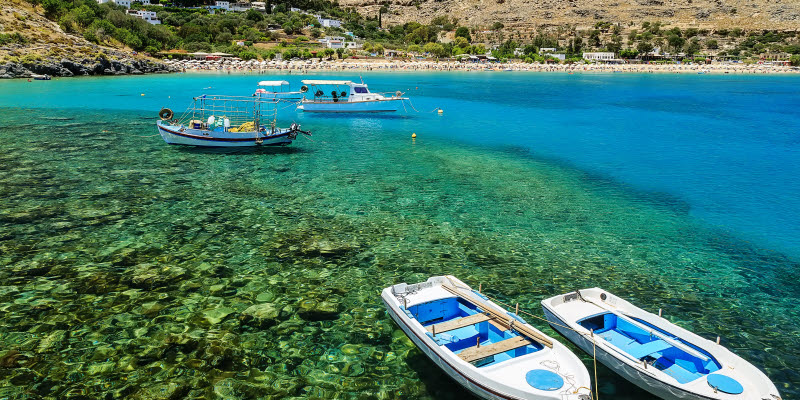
648	348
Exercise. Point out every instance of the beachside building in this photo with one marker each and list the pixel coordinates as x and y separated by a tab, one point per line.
223	5
149	16
241	7
258	6
599	56
558	56
543	50
123	3
329	23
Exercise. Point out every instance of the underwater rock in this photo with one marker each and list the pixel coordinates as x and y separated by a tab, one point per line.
11	359
51	341
326	248
216	315
260	315
147	276
313	310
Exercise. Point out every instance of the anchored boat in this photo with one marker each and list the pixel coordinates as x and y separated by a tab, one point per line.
226	121
651	352
490	351
273	90
346	97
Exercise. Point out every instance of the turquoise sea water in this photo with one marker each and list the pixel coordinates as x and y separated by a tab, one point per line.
131	268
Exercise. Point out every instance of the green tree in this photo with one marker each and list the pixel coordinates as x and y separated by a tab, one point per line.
378	49
675	42
795	60
497	26
712	44
463	32
644	47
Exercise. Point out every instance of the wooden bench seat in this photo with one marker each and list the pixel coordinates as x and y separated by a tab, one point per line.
477	353
458	323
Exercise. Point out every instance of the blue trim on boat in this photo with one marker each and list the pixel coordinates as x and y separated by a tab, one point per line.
482	387
564	323
213	139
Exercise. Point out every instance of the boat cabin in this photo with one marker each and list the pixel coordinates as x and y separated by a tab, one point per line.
344	91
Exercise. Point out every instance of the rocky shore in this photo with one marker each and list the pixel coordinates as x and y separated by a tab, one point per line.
65	67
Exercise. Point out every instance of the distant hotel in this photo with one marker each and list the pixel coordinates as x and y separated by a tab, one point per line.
149	16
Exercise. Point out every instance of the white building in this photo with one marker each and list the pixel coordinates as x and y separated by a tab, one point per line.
329	23
239	7
144	2
599	56
149	16
223	5
547	50
124	3
259	5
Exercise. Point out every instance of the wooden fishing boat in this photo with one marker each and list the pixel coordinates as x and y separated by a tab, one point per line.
653	353
227	121
488	350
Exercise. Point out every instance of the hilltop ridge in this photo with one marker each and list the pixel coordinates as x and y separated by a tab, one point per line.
530	14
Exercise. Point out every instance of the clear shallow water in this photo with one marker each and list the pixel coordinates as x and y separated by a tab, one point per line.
129	265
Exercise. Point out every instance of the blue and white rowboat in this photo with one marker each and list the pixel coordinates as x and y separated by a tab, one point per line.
653	353
493	353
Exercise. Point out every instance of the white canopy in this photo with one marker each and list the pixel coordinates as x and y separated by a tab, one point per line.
314	82
272	83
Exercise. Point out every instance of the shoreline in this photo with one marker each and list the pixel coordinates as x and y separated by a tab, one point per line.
231	66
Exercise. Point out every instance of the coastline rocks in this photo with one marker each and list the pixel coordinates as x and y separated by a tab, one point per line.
85	67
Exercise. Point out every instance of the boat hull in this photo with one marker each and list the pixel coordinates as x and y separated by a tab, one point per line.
462	380
632	375
586	318
494	381
370	106
173	134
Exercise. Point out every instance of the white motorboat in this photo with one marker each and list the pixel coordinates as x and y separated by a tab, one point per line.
273	90
653	353
226	121
488	350
347	97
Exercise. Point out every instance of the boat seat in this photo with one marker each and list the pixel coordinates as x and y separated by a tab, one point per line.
454	324
477	353
648	348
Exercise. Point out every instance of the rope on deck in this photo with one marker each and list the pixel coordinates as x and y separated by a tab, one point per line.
590	336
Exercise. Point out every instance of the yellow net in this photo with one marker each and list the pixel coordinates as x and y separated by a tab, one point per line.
245	127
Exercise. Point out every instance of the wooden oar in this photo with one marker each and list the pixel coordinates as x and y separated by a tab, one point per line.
519	327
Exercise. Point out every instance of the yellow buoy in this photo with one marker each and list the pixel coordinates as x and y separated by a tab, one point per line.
413	135
142	94
441	111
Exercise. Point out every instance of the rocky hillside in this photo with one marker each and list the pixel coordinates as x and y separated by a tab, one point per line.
531	14
32	44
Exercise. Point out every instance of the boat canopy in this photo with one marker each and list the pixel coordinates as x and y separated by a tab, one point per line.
272	83
317	82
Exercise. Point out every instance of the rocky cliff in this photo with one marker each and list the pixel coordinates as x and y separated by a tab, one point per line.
32	44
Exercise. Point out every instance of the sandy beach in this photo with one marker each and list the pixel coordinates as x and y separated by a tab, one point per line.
425	65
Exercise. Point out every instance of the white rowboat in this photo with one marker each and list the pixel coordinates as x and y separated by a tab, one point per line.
653	353
488	350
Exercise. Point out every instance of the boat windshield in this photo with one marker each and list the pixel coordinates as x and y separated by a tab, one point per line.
358	89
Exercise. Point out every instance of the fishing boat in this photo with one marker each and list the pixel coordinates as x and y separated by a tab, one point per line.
44	77
492	352
226	121
653	353
347	97
273	90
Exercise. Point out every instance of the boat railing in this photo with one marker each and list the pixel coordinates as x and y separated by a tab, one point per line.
237	110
